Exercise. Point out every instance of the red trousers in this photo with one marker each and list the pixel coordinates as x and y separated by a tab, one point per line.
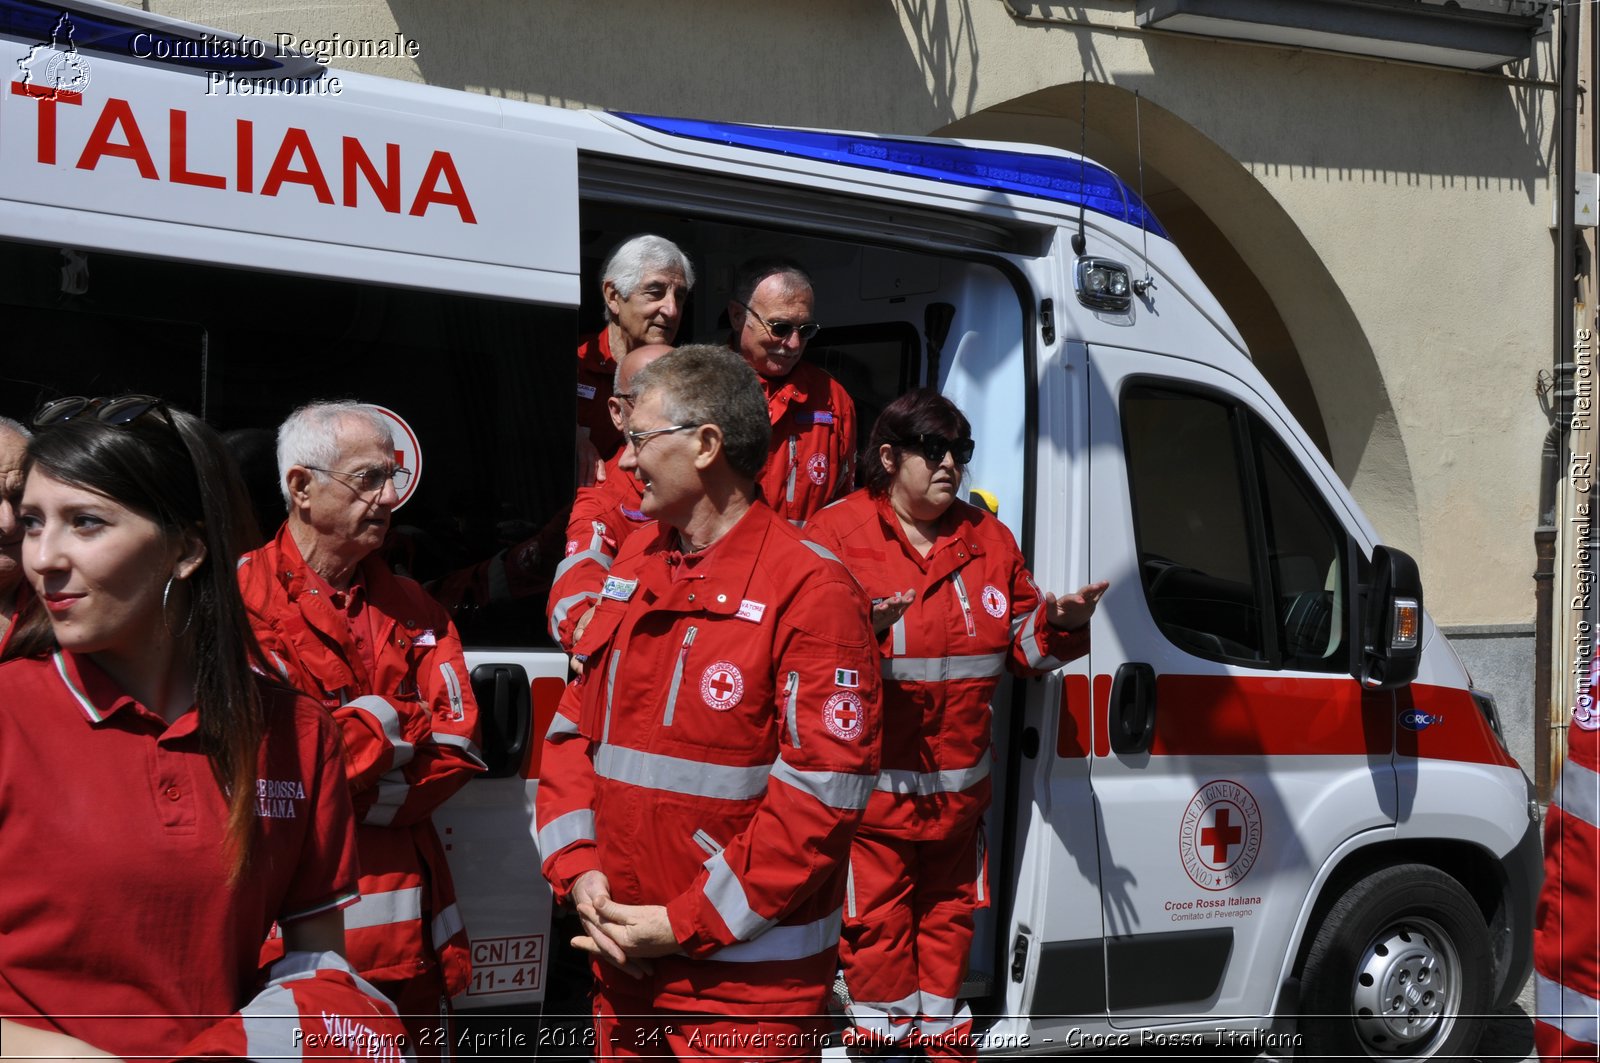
907	933
626	1028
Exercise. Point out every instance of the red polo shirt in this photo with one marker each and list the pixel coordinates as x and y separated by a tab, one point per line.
115	898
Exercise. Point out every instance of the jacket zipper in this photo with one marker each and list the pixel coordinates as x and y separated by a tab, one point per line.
794	458
966	607
791	695
458	710
677	676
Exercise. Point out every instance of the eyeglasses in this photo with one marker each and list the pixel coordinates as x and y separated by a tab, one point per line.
934	447
781	330
638	438
367	481
122	410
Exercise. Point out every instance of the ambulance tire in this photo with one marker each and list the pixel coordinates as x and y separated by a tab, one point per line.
1399	969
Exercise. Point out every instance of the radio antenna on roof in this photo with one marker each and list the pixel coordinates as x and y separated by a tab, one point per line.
1145	283
1078	242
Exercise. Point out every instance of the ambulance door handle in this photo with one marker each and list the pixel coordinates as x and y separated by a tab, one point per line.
1133	708
505	713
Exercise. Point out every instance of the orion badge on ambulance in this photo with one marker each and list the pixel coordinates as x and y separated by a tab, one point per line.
618	588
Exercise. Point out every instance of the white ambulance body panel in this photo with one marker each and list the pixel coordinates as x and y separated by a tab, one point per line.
1163	887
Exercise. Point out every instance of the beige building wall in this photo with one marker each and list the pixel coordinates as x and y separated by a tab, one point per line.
1380	230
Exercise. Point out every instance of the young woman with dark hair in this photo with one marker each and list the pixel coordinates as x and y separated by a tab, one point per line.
954	608
163	803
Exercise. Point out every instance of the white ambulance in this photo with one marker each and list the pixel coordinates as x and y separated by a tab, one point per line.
1268	809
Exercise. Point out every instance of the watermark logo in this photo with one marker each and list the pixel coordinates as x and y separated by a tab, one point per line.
56	67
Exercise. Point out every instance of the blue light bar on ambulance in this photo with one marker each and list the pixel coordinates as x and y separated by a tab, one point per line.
1064	180
133	34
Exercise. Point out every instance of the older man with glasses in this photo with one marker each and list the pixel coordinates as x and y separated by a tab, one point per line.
705	773
385	659
811	455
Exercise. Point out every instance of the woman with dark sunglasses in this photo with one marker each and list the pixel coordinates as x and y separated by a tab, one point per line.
161	803
954	608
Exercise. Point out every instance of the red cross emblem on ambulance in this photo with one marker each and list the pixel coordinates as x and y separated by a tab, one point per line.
841	715
1219	836
722	686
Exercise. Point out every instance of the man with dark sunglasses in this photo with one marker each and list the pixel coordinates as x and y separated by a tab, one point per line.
811	458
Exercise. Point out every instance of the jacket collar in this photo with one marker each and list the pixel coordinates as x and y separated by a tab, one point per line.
721	580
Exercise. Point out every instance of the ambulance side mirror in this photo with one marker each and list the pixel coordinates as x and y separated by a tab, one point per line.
1391	622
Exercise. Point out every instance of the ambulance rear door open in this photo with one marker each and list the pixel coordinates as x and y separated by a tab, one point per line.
241	254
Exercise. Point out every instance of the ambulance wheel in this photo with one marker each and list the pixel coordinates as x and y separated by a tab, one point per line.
1399	969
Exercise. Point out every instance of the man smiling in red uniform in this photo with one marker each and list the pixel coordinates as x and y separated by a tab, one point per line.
645	282
704	775
811	454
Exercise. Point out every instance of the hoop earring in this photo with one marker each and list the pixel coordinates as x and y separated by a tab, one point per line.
188	619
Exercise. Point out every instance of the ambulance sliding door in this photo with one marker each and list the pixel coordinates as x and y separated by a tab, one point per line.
1232	748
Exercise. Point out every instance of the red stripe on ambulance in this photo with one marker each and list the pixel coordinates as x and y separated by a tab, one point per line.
1233	715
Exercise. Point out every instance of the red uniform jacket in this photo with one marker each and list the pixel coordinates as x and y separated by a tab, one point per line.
1566	940
714	757
410	741
812	457
603	516
597	374
976	614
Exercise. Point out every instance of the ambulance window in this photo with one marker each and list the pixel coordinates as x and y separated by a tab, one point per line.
1230	533
1305	552
1190	523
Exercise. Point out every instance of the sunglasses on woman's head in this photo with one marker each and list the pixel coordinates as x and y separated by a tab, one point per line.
122	410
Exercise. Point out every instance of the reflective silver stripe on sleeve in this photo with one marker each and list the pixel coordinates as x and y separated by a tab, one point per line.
599	557
1016	625
940	669
393	789
1578	793
611	684
726	894
388	721
836	789
558	615
564	830
382	909
463	743
1030	645
1575	1014
899	638
786	942
924	784
446	925
561	726
693	778
789	716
